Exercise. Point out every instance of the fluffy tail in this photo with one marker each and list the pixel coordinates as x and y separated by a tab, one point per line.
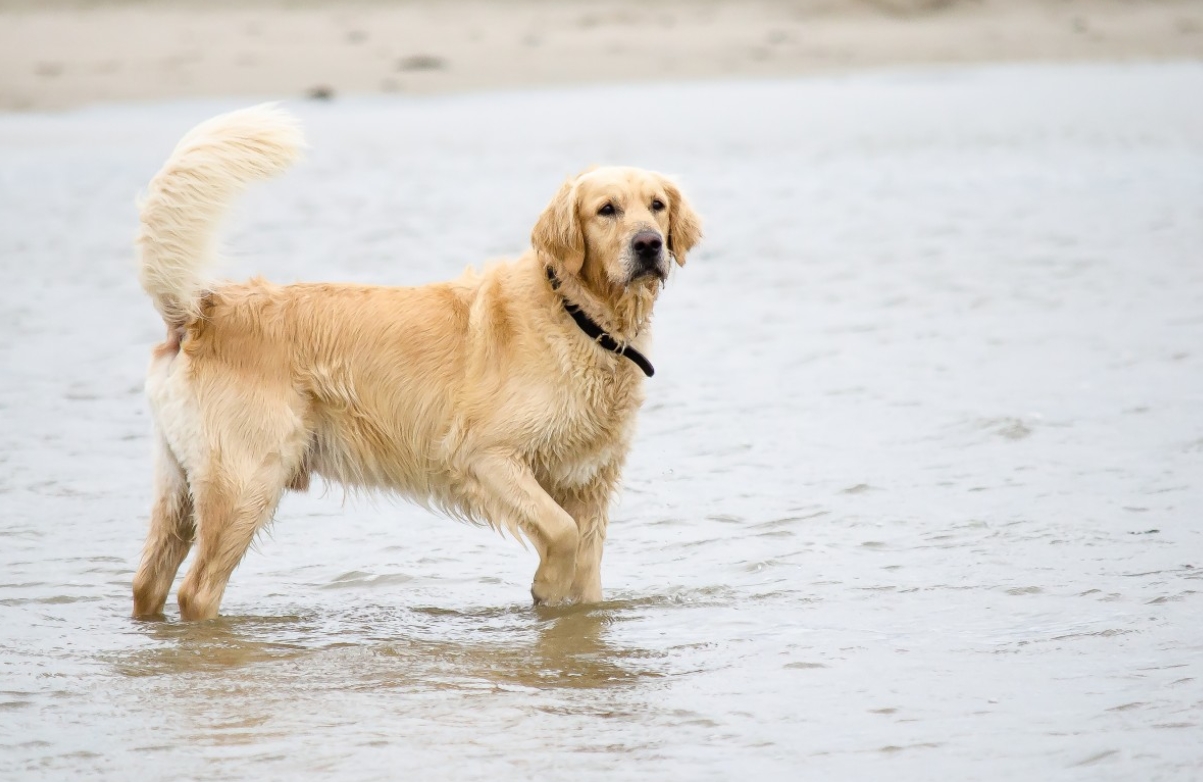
187	199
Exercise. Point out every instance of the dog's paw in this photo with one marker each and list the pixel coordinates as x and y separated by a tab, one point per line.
553	580
546	593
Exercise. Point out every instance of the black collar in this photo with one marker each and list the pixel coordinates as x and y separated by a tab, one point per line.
590	327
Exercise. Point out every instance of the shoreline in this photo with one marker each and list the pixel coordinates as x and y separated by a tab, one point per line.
65	54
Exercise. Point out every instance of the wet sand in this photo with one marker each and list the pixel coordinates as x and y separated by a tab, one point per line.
917	490
62	53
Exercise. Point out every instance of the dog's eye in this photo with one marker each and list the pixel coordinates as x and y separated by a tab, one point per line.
657	204
606	211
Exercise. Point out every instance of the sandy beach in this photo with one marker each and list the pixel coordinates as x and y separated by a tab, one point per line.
57	54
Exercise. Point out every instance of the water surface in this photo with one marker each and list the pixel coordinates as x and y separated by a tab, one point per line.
917	492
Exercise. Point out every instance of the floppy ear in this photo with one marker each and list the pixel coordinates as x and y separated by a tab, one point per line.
557	233
684	225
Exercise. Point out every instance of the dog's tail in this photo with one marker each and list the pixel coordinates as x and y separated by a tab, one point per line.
187	199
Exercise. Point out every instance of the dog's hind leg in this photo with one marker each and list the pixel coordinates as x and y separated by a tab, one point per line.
231	506
172	528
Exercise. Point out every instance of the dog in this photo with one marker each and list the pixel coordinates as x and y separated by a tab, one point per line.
506	397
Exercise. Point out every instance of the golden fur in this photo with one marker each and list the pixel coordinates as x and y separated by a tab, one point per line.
480	396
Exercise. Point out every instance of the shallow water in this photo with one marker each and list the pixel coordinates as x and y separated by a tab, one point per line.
918	489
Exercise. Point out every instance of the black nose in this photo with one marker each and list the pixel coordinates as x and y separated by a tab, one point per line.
647	245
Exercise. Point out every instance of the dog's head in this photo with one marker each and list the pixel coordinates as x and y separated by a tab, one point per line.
616	229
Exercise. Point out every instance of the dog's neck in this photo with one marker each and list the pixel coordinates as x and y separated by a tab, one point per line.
624	314
598	334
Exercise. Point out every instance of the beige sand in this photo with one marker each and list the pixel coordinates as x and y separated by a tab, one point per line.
56	54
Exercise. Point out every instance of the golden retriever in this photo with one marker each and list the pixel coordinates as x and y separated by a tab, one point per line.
505	397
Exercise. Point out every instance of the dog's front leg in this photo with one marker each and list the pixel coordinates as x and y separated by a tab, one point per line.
590	507
509	494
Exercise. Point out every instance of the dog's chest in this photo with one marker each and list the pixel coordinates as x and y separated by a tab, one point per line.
593	428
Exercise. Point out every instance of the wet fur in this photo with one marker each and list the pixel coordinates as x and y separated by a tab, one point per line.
479	397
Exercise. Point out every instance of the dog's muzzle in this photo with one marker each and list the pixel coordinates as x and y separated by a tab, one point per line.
647	247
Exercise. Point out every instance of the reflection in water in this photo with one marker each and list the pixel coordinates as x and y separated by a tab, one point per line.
228	643
425	647
240	684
